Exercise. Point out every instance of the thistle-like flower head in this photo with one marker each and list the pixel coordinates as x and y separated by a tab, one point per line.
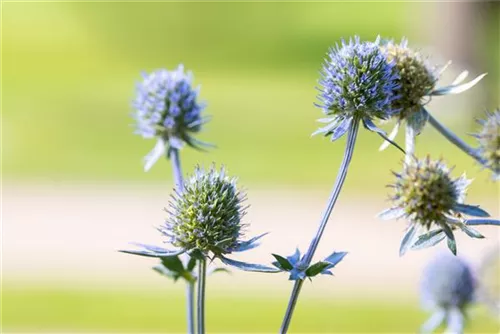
427	193
489	142
447	281
429	197
205	222
207	215
358	80
416	78
167	108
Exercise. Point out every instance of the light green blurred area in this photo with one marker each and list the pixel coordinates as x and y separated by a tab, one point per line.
68	76
69	71
55	310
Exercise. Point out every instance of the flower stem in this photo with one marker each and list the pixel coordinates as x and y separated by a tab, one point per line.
179	184
454	139
410	143
190	307
176	166
202	271
351	140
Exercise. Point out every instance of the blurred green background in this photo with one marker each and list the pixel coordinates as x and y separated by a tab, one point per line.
68	76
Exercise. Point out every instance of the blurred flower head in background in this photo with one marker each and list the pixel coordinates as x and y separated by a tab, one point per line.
447	281
447	287
489	142
167	106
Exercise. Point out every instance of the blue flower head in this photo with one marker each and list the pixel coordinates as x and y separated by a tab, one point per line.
357	82
489	142
167	108
428	196
447	287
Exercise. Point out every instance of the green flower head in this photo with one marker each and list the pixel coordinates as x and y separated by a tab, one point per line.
207	215
416	78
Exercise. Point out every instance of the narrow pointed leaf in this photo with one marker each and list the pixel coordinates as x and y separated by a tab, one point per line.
471	210
327	129
248	266
284	263
452	244
472	232
391	136
152	251
372	127
391	213
316	268
407	240
335	258
476	222
341	129
457	89
249	244
156	153
429	239
460	78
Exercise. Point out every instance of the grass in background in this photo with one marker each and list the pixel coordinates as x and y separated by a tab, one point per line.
54	310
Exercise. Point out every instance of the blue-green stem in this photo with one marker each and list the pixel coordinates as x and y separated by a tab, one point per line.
190	306
454	139
351	140
179	185
200	310
176	166
410	143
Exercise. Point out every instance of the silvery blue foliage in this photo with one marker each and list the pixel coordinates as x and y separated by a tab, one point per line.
432	201
489	142
357	83
204	220
300	270
167	108
447	287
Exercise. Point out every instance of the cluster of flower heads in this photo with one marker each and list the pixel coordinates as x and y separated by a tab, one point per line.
205	221
428	196
358	83
167	108
489	142
447	287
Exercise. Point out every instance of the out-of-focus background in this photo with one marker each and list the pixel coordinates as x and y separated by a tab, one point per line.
74	191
